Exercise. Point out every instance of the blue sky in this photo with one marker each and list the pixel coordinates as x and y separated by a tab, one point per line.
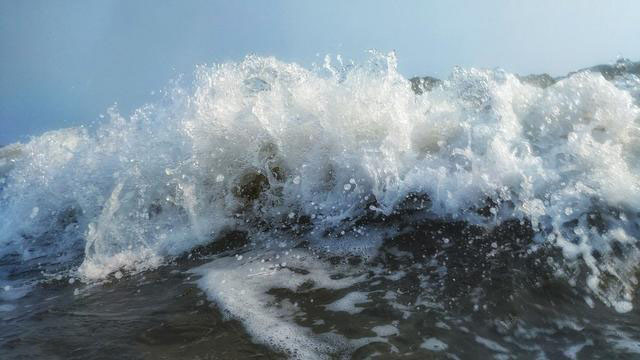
62	63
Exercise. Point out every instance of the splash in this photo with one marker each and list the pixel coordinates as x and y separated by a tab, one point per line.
273	148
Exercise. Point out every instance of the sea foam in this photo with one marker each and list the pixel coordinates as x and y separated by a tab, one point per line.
265	146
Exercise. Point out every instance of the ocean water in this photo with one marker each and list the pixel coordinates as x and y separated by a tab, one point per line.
344	211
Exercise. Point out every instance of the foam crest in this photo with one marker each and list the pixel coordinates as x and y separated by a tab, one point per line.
265	145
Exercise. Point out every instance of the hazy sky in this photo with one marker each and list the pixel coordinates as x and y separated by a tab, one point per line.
62	63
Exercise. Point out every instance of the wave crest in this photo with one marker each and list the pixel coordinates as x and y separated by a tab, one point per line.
272	147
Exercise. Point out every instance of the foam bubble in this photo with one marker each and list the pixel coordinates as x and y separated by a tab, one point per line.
349	303
434	344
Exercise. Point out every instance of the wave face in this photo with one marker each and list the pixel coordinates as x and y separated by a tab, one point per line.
275	149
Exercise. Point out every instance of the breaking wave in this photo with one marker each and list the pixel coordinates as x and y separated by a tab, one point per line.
334	155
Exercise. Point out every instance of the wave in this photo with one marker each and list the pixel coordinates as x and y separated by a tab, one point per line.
332	153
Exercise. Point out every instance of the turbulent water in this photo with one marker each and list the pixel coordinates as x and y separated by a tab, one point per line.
343	211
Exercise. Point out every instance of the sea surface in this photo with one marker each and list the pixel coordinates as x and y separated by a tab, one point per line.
270	211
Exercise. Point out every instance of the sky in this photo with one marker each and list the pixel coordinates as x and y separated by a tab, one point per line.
63	63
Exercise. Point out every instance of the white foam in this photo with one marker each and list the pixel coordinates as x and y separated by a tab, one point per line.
334	144
572	351
11	293
385	330
492	345
349	303
240	289
434	344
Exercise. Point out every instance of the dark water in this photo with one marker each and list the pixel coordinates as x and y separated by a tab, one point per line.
479	292
378	260
156	315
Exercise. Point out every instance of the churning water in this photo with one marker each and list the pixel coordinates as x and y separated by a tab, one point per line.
272	211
